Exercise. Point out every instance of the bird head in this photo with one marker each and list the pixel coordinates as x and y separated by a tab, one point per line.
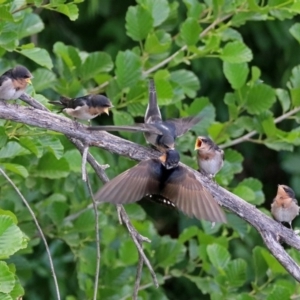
170	159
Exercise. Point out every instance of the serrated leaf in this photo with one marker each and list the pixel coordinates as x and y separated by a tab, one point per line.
128	253
187	80
187	234
18	169
236	272
159	10
236	74
38	55
95	63
272	262
11	237
194	8
128	69
218	255
139	22
9	40
7	278
260	98
69	54
51	167
245	193
52	144
190	31
158	42
122	118
236	52
43	79
5	14
57	211
135	212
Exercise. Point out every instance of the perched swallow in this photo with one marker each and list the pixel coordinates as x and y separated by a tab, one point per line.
210	157
169	130
285	207
14	82
85	107
165	181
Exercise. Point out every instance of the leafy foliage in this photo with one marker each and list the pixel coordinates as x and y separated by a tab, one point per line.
225	60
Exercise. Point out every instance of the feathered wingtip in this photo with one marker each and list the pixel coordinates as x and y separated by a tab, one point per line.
62	103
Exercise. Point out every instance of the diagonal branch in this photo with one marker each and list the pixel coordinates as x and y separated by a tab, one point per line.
114	144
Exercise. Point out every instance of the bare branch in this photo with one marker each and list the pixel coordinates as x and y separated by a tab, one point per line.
138	278
39	229
123	147
83	163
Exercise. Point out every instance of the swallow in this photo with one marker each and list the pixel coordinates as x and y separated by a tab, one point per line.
210	157
285	206
85	107
14	82
169	129
163	180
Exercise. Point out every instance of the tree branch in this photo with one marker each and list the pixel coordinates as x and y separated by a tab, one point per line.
266	226
249	135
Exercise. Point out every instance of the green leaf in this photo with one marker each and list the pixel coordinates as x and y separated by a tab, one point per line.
38	55
284	99
272	262
9	40
135	212
138	22
43	79
70	10
279	293
236	74
187	234
245	193
164	91
5	14
260	98
52	144
57	211
159	10
236	272
95	63
18	169
187	80
295	31
12	149
236	52
218	255
190	31
128	69
69	54
7	278
122	118
260	265
51	167
294	85
31	24
128	253
11	237
194	8
158	42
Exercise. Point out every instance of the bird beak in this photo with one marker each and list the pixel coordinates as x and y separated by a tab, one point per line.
198	144
28	80
106	110
163	158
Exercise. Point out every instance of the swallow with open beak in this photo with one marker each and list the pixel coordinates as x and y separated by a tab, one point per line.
169	130
165	181
14	82
285	206
85	107
210	157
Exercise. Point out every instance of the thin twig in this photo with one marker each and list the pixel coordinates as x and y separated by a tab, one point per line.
39	229
249	135
96	282
138	278
83	163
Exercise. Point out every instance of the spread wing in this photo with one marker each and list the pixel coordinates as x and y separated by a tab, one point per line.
189	196
130	186
182	125
152	113
134	128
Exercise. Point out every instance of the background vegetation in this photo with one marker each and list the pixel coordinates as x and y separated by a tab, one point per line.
236	62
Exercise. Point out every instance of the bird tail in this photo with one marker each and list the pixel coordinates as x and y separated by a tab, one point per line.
152	113
63	102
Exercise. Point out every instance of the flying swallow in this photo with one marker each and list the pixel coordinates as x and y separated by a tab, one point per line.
285	207
165	181
210	157
85	107
169	129
14	82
